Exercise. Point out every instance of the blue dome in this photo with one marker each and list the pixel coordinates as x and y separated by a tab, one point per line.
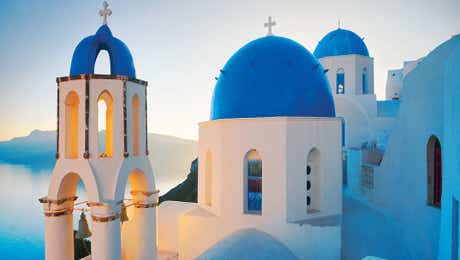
85	54
340	42
272	76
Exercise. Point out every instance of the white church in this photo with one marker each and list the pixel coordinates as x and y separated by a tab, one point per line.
290	132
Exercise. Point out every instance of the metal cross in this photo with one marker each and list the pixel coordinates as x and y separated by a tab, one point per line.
270	24
105	12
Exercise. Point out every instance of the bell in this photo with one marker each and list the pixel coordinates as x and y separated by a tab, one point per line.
83	228
124	214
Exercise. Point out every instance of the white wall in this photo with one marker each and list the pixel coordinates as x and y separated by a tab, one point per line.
283	144
401	179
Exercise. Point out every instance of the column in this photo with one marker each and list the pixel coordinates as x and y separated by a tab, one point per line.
59	238
105	242
142	227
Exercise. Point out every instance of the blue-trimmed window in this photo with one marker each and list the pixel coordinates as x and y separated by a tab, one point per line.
365	82
340	81
253	183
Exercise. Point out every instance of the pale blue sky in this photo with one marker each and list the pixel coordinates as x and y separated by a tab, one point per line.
179	46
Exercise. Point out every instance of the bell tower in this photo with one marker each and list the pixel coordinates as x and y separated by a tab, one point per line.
104	161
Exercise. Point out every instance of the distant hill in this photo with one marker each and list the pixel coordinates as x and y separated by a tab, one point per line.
186	191
170	156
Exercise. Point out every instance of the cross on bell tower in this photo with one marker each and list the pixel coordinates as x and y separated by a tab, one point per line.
105	12
269	25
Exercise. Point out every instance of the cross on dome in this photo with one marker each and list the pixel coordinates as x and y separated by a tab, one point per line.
269	25
105	12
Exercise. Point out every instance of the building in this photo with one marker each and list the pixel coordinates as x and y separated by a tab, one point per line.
105	167
270	160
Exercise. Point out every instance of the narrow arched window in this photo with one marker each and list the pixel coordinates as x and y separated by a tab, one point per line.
253	182
434	172
340	81
105	124
136	128
313	182
71	125
208	179
365	82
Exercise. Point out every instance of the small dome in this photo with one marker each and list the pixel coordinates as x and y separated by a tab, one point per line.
272	76
340	42
248	244
85	54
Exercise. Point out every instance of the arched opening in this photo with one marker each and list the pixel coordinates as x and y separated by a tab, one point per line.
340	81
77	230
105	124
71	125
253	183
208	179
137	218
102	63
136	128
365	82
434	172
313	185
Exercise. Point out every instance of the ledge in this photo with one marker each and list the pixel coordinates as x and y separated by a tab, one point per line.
100	76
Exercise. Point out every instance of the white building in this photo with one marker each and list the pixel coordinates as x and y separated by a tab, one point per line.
105	170
270	162
395	79
398	159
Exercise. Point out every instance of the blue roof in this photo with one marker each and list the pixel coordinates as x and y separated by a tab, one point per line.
340	42
272	76
248	244
85	54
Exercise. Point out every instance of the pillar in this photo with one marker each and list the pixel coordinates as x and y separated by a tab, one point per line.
141	229
59	238
105	242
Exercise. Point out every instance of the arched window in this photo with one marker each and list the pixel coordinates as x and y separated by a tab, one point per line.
434	172
208	179
340	81
365	82
136	128
71	125
253	183
105	124
313	182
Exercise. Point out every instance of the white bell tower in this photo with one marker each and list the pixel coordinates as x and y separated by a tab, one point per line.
105	162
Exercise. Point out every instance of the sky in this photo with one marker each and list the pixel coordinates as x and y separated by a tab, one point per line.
180	46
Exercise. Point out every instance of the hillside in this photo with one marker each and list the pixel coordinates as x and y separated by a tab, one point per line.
170	156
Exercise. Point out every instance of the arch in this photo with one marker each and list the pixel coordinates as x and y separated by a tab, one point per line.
64	180
72	104
313	184
208	179
135	124
434	171
101	62
86	53
340	81
253	182
105	122
139	178
138	237
62	193
365	83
